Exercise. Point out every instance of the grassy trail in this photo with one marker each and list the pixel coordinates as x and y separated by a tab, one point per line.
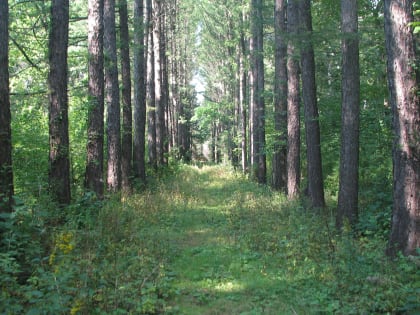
203	241
216	271
235	247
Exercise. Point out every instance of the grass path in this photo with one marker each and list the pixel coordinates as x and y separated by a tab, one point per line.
215	272
235	247
202	241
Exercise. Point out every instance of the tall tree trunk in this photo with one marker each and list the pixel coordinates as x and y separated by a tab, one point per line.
112	98
150	89
243	109
127	119
262	161
173	70
165	85
6	173
139	91
59	163
242	101
279	181
95	142
349	156
313	141
293	107
159	94
243	95
253	135
404	99
184	133
257	99
236	145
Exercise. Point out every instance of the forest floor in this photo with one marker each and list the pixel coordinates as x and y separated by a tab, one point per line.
217	272
236	247
199	241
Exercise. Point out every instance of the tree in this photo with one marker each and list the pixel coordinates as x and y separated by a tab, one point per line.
180	93
150	87
6	174
112	98
183	45
350	98
258	155
163	115
139	92
405	103
95	143
173	72
293	106
159	51
313	141
59	172
279	181
242	94
127	119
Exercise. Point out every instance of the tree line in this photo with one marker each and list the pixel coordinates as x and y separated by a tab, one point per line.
261	62
134	46
254	42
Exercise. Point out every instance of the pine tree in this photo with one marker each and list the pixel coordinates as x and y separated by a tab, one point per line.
403	83
313	141
350	102
95	144
293	106
6	173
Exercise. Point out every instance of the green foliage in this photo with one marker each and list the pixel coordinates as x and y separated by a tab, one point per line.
416	23
30	146
29	23
100	261
243	249
28	73
201	241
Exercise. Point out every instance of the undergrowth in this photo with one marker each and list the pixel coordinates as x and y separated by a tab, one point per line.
201	241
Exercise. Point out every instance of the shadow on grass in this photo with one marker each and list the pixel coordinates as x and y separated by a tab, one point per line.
215	272
235	247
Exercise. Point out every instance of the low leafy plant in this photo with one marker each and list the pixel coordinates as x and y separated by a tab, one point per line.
202	241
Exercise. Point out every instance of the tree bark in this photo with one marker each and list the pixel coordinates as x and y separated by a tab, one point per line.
279	179
404	100
242	98
293	106
139	92
150	89
257	95
59	162
163	113
185	106
112	98
350	95
313	141
95	142
174	83
127	119
6	173
158	75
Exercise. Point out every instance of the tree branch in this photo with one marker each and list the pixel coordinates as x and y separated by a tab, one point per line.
21	49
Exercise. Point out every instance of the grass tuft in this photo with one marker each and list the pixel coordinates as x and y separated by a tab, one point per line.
202	241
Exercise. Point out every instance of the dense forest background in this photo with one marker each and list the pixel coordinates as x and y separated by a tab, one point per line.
146	86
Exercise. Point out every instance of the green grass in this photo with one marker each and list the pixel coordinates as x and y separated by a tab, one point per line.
208	241
238	248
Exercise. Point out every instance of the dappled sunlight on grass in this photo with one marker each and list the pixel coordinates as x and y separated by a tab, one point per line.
229	286
216	270
241	248
209	241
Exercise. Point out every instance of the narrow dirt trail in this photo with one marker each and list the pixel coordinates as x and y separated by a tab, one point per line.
214	272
